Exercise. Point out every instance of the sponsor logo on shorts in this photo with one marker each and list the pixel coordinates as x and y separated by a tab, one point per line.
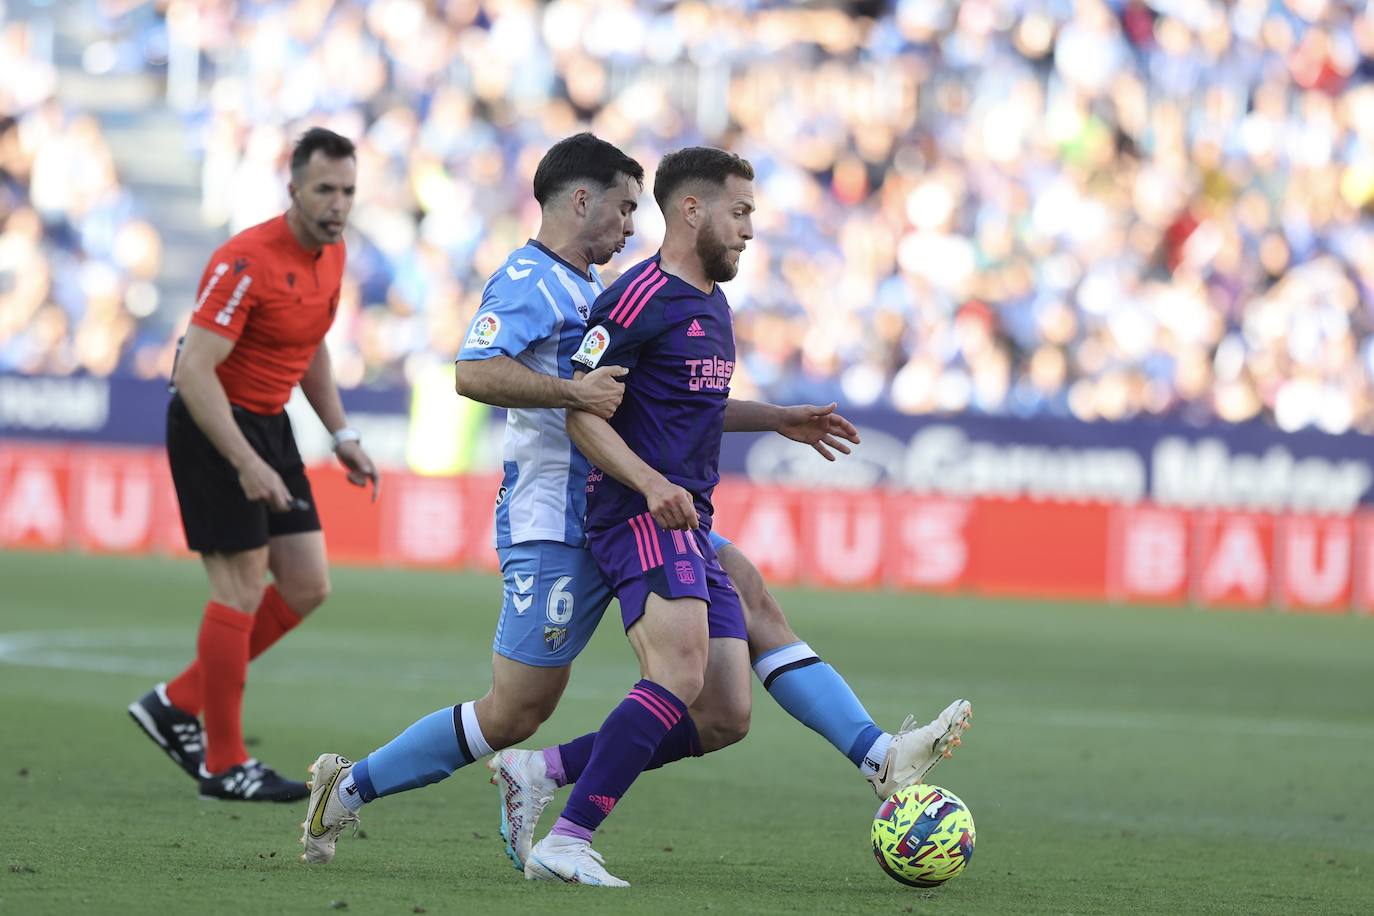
685	573
554	637
484	331
594	346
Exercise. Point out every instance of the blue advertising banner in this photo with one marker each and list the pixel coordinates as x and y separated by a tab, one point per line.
1248	466
123	411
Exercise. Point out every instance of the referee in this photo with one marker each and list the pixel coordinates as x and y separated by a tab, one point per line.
266	300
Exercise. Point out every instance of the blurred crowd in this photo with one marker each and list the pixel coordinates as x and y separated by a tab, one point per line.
77	265
1088	208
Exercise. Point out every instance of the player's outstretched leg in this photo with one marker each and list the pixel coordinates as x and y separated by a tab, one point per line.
816	695
177	732
430	750
915	749
328	813
435	746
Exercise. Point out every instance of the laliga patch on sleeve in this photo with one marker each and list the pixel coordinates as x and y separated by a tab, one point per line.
593	347
484	331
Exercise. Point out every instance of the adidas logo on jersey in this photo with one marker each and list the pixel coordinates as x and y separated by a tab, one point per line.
694	329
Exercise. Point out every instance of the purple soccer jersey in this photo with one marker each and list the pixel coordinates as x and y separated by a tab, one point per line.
679	345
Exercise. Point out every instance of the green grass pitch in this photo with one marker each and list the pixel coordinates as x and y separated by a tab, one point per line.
1123	760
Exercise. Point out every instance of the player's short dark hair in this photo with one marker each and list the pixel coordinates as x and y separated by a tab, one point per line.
696	163
334	146
582	157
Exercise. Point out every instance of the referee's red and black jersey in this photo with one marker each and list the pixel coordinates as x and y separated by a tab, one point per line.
275	300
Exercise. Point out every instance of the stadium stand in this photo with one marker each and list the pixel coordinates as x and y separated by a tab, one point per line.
1016	208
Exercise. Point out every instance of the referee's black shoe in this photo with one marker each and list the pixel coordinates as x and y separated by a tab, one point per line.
250	781
178	733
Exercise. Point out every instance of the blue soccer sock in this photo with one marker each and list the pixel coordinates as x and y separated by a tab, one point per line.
681	741
624	745
428	751
815	695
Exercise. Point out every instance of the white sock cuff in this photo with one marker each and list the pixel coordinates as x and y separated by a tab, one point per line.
347	793
472	733
875	755
771	664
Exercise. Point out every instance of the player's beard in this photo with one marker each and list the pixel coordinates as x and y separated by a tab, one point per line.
715	255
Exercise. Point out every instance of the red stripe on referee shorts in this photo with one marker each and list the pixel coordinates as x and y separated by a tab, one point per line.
639	542
631	290
680	547
638	698
643	298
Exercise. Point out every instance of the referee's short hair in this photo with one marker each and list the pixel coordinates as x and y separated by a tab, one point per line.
582	157
696	166
334	146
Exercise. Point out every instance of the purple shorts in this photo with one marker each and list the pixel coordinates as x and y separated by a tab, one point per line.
638	557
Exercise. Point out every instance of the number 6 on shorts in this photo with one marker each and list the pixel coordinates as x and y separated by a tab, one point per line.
574	597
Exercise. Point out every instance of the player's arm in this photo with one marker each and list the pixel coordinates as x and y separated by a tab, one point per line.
502	382
671	505
819	427
323	394
515	316
204	397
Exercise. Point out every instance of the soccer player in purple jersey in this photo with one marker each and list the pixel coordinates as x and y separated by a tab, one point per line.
533	307
649	510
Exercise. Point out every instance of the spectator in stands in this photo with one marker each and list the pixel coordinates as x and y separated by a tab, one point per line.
1102	209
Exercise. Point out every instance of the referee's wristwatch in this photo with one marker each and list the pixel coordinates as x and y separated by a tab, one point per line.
346	434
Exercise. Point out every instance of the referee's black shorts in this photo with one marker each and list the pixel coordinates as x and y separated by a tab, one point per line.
215	514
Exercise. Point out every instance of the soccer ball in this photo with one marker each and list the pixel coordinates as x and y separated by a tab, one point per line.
923	836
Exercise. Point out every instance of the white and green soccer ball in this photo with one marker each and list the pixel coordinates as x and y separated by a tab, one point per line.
923	836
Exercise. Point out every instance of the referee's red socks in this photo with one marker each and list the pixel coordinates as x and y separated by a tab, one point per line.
273	620
222	656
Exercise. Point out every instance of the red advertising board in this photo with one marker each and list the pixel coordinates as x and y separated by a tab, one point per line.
34	496
121	500
1233	559
1314	563
1147	554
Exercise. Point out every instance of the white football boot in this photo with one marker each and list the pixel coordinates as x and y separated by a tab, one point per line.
560	858
525	790
325	816
915	750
